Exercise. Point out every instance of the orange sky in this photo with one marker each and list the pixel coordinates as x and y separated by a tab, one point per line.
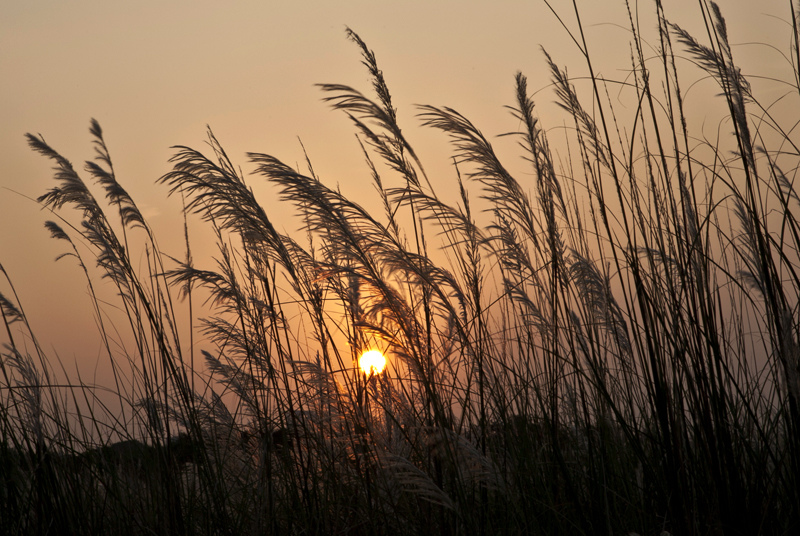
155	73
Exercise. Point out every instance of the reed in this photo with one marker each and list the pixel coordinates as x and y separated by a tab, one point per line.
610	346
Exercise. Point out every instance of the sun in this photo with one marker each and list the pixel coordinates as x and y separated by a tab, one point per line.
372	362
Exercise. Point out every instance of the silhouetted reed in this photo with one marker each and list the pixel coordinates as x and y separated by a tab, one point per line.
608	347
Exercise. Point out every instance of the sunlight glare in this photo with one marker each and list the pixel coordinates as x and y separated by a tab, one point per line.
372	362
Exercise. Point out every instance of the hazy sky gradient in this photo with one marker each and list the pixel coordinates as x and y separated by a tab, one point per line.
154	74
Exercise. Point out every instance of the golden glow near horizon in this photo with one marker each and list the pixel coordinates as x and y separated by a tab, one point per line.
372	362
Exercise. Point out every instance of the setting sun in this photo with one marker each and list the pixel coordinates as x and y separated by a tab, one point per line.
372	362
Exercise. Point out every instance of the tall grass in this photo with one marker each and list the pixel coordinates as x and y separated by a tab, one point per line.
608	347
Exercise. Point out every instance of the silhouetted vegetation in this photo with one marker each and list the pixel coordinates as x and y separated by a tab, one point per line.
609	346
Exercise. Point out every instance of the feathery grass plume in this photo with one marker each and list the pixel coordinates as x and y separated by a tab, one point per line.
232	376
393	146
595	292
56	231
718	63
749	252
534	141
72	189
116	194
216	191
501	190
378	82
570	102
413	480
9	311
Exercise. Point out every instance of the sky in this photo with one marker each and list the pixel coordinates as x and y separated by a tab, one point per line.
156	73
